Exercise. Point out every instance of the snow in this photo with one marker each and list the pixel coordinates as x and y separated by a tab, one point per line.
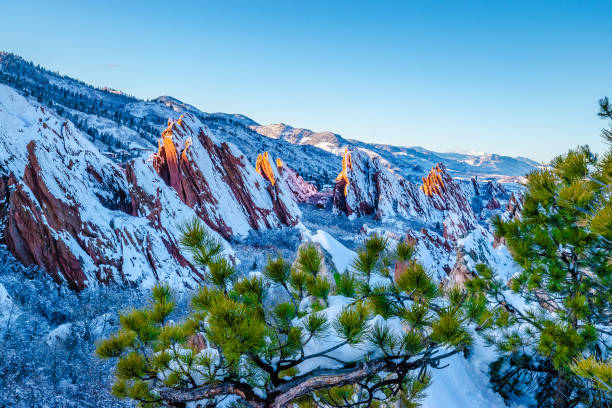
8	309
99	326
464	383
122	133
479	243
341	255
226	206
129	241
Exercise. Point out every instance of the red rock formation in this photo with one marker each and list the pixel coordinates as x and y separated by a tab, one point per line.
284	186
493	204
70	210
434	182
366	187
342	181
166	160
64	239
211	177
263	166
446	195
514	206
302	191
29	237
35	215
355	189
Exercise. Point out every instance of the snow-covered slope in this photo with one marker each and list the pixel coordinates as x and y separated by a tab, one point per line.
284	178
87	218
125	126
463	383
447	219
68	208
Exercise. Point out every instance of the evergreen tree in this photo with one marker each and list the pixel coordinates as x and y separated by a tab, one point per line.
599	372
270	340
551	322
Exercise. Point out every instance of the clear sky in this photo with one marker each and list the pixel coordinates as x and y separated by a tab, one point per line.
516	78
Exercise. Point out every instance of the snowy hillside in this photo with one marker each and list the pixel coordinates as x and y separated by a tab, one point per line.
69	209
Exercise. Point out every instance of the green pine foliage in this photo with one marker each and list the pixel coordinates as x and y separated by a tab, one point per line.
254	332
598	372
554	343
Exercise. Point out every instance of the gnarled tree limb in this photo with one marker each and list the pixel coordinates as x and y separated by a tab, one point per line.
283	394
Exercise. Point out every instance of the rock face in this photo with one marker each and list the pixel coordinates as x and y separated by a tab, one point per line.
514	206
302	190
66	207
285	185
491	189
217	181
446	195
366	187
460	273
284	178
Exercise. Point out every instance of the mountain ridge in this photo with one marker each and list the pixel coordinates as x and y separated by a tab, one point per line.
409	161
125	126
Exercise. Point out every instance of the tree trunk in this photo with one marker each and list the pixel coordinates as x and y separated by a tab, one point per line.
561	396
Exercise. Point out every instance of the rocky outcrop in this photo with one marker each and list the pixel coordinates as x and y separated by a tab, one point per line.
446	195
72	211
460	273
354	189
486	197
493	204
263	166
513	210
490	189
366	187
302	190
286	182
514	207
217	181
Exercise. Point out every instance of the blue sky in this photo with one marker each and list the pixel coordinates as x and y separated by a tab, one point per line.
516	78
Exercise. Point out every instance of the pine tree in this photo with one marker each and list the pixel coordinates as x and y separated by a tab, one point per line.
270	339
551	322
598	371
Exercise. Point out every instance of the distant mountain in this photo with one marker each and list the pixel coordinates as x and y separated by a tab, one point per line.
410	162
126	127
